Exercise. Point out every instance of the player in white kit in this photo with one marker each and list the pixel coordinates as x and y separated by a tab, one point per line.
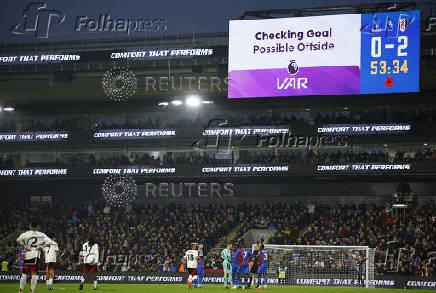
191	258
32	241
51	254
90	260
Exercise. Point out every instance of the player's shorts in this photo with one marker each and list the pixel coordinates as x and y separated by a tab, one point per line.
50	266
254	269
244	269
191	271
227	267
31	265
263	269
90	268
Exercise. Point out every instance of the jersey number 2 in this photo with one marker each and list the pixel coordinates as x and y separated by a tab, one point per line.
34	240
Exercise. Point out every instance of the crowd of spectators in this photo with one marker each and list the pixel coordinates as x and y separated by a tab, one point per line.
276	119
295	119
413	233
146	123
139	238
420	115
169	159
333	157
273	216
6	162
8	126
154	238
61	124
93	161
412	155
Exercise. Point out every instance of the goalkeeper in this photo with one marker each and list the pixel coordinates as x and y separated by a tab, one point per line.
226	256
282	274
359	262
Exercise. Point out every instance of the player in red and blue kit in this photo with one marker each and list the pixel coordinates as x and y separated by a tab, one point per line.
200	267
243	255
235	266
263	267
22	255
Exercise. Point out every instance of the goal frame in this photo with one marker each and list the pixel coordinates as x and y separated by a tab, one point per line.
369	255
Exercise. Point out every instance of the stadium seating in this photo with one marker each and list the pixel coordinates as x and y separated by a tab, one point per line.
245	157
421	115
160	234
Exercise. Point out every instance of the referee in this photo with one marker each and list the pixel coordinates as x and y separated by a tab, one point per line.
254	264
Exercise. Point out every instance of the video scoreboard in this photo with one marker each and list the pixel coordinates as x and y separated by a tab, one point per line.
325	55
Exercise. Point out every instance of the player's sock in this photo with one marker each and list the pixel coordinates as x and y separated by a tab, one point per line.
200	280
259	281
82	280
22	282
190	278
265	281
33	282
51	282
47	281
230	280
225	281
250	279
95	284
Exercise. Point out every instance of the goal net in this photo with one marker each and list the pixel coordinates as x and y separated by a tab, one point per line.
313	265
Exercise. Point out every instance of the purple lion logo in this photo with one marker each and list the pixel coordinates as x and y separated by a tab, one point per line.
293	67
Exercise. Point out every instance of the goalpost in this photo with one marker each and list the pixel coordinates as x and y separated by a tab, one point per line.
318	265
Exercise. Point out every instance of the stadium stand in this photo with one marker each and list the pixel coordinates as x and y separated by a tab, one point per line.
245	157
159	234
420	115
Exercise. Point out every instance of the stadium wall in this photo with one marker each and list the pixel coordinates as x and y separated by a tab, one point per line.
386	281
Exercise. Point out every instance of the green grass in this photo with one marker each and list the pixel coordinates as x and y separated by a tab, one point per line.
163	288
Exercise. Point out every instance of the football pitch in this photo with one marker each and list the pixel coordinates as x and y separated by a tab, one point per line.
164	288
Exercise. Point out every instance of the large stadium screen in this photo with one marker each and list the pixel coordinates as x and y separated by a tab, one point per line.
325	55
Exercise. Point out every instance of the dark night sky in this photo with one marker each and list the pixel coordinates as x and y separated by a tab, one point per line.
211	16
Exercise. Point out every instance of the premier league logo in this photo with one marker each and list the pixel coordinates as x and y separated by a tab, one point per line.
293	67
